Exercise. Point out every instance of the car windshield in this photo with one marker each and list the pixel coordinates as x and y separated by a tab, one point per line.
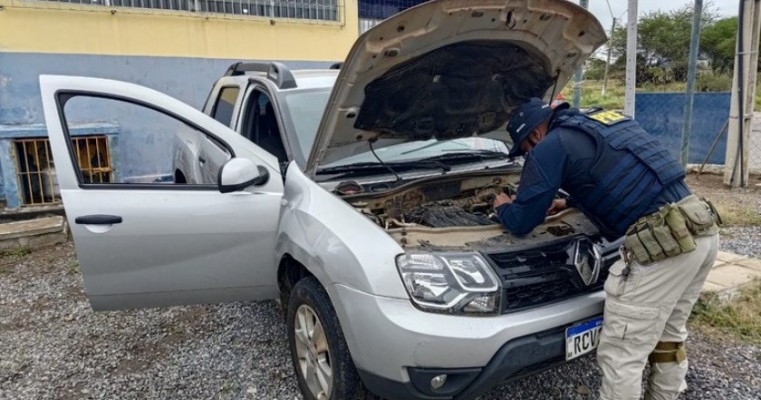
305	109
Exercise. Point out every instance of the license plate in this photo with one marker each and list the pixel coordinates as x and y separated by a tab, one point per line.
583	338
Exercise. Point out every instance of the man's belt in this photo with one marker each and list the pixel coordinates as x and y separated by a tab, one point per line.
671	230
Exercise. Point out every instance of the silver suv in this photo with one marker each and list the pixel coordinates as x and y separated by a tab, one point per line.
360	197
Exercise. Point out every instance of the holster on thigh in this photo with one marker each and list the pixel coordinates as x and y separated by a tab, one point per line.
666	352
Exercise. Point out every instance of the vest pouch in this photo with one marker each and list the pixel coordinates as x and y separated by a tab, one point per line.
651	244
635	247
662	233
678	225
697	216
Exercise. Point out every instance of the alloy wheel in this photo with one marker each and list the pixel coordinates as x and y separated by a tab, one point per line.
313	352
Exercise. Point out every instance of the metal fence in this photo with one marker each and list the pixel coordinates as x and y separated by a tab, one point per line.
662	114
660	106
326	10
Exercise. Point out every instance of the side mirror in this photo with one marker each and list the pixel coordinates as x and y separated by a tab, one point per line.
240	173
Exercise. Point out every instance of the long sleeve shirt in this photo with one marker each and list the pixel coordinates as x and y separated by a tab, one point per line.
543	173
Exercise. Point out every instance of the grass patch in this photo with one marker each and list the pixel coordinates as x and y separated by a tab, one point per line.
732	215
72	268
18	252
740	317
591	90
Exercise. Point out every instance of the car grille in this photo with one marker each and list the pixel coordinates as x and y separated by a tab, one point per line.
538	276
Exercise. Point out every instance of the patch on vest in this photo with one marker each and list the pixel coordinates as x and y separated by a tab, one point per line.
608	117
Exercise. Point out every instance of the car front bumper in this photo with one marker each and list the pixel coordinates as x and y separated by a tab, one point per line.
398	348
518	358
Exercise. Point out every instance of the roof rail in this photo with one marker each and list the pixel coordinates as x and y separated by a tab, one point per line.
276	72
337	65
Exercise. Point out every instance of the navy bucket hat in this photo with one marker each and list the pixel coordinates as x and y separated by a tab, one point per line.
524	120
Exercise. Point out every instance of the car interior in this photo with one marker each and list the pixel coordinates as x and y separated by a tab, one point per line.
261	126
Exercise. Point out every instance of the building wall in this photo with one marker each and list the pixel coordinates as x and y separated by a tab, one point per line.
178	52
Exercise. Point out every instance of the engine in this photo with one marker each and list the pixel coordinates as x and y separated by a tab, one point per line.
438	204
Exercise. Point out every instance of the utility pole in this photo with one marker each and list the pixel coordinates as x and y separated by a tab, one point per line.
631	59
607	63
697	13
578	76
736	171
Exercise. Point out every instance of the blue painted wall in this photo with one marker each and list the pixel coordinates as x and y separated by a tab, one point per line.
662	114
187	79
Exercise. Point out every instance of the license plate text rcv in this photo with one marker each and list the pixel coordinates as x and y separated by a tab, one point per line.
583	338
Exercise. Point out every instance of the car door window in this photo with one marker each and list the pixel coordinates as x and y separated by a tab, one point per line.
151	149
225	104
262	126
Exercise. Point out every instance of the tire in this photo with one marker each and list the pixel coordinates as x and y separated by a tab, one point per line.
324	368
179	177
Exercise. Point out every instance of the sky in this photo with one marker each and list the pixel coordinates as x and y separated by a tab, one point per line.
599	8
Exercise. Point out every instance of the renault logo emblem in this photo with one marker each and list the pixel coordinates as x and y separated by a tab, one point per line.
587	260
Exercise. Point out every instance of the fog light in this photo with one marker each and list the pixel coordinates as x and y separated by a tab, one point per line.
438	381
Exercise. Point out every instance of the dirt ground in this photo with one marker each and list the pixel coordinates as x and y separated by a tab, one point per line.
742	206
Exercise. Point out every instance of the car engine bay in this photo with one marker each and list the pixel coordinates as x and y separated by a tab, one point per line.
449	212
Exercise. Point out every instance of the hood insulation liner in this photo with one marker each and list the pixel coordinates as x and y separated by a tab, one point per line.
454	91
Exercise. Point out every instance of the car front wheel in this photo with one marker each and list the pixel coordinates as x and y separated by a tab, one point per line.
321	359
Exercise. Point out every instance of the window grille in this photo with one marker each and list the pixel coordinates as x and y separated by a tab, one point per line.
325	10
36	171
372	12
93	158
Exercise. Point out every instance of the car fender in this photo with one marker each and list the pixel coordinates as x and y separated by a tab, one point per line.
337	244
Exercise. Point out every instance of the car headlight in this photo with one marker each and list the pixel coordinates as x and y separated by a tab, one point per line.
458	283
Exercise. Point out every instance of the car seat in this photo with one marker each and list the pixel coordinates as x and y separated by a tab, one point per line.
268	134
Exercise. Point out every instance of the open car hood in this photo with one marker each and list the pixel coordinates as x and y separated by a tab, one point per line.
451	68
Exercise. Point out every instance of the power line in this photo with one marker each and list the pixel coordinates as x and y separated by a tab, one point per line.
610	10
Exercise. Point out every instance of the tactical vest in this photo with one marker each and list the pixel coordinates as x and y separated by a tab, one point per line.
631	168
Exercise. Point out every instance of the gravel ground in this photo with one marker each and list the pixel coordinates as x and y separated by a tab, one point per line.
54	346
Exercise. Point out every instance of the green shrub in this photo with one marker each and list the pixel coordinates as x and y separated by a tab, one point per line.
709	82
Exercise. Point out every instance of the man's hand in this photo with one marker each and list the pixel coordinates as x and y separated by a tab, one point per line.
557	206
502	198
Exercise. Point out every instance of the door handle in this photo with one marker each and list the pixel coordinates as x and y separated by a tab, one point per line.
201	160
98	219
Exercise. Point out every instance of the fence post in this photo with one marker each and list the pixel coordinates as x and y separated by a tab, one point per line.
607	62
578	76
697	12
631	59
736	171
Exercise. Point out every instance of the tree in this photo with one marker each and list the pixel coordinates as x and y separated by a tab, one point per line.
718	42
663	42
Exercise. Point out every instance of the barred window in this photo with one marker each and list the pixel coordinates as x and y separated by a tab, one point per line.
35	169
326	10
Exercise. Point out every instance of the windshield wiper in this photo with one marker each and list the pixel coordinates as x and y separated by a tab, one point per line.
365	167
469	155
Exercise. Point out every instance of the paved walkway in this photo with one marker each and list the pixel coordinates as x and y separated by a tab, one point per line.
731	272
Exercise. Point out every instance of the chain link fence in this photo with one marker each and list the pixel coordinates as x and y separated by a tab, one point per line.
662	114
659	107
